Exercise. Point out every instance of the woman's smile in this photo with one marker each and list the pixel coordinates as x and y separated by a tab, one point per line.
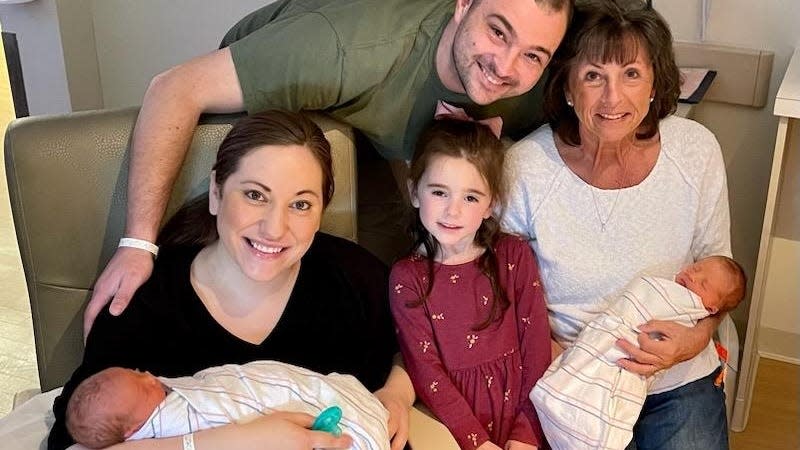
264	248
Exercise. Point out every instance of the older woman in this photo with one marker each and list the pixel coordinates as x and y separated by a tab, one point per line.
244	275
615	187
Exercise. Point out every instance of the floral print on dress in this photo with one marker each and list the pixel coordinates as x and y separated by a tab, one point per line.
397	288
424	345
471	340
485	300
537	283
454	278
434	385
474	438
439	316
507	394
489	380
511	266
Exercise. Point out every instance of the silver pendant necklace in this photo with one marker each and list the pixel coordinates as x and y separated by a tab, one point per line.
623	181
604	221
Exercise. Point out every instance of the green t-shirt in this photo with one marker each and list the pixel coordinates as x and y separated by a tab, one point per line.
368	63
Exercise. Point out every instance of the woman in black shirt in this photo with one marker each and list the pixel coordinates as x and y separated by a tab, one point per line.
244	275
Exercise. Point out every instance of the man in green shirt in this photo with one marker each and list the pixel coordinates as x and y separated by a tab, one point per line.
381	66
373	65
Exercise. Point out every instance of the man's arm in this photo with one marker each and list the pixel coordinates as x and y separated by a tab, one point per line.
170	110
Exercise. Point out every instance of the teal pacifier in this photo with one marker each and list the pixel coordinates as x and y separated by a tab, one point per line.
328	420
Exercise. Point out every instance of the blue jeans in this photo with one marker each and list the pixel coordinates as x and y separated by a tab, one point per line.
689	417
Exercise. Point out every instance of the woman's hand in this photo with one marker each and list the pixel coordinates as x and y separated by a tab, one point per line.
284	430
662	344
555	350
398	409
488	445
397	396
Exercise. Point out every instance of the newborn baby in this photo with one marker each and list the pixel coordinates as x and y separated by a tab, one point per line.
120	404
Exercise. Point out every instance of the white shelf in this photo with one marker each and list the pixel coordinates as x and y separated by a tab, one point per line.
787	108
787	101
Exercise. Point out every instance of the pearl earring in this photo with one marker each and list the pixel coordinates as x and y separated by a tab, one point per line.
569	102
651	99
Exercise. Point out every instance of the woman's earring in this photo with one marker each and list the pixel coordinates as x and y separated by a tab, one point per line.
569	102
651	99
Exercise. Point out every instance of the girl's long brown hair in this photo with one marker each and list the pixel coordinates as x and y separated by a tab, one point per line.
475	143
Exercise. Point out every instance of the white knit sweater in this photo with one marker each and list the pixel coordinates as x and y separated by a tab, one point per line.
676	215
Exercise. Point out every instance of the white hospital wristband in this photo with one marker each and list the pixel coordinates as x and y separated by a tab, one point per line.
139	243
188	441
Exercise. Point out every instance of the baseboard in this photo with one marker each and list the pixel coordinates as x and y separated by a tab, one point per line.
778	357
779	345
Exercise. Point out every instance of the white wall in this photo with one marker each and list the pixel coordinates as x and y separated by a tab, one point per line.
112	47
76	23
778	336
747	135
138	39
36	27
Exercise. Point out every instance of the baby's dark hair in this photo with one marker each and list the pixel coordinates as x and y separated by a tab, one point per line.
477	144
738	283
83	419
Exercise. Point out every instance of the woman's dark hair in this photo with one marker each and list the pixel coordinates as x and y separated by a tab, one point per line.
604	31
475	143
193	224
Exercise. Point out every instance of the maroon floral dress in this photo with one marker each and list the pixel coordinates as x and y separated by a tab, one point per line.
475	381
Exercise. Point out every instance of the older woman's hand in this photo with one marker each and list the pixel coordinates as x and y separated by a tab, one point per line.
662	344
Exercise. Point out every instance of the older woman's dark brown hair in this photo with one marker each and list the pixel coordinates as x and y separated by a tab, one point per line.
604	31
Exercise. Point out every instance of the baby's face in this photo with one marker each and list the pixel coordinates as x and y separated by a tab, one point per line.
140	392
706	278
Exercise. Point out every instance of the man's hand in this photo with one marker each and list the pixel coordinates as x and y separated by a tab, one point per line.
398	416
128	269
662	344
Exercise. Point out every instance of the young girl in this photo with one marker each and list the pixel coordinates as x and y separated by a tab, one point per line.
467	302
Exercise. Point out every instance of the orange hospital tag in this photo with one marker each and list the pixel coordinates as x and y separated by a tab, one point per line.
722	352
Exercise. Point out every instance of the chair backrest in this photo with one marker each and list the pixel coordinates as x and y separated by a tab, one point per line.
67	178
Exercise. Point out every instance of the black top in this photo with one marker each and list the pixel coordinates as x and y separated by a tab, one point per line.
336	320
